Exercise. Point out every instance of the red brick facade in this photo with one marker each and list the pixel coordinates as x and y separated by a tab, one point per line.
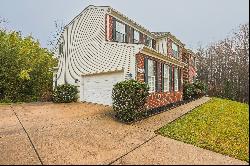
159	98
185	59
189	70
169	47
170	50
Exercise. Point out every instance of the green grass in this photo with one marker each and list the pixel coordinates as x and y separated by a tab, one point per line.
219	125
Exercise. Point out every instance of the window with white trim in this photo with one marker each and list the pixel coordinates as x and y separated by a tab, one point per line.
176	77
175	50
165	78
120	32
151	76
136	36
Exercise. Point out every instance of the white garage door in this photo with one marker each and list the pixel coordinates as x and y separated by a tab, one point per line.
98	88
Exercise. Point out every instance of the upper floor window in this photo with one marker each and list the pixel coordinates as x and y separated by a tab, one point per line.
136	36
120	32
148	41
162	46
175	50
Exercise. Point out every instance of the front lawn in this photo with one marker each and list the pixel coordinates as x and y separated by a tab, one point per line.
219	125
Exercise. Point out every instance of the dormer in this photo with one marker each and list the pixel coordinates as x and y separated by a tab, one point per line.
168	45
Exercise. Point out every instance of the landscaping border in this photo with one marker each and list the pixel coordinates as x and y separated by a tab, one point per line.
154	111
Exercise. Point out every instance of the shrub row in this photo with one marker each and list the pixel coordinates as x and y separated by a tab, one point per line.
129	98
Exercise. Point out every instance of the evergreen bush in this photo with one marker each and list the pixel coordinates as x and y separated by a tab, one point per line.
65	94
129	98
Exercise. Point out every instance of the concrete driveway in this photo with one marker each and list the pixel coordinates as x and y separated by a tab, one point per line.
82	133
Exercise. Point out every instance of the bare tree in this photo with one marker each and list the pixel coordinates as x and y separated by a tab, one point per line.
2	21
52	43
224	66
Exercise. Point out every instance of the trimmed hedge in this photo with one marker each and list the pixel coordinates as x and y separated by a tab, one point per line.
129	98
65	94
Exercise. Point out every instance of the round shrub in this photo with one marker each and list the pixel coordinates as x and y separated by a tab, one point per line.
193	90
65	94
188	91
200	88
129	98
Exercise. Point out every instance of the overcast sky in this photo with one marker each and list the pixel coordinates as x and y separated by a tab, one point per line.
192	21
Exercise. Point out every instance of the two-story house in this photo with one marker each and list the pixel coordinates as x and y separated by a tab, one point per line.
101	47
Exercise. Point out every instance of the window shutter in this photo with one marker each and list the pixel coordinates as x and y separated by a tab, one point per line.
132	35
170	78
156	76
179	79
173	78
162	77
141	37
60	49
145	70
145	39
114	29
127	33
154	44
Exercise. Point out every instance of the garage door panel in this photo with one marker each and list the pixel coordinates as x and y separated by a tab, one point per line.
98	88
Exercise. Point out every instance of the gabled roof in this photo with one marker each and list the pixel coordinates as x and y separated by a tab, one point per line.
160	35
130	21
111	10
149	51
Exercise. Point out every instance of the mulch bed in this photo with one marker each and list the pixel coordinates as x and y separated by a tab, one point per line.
158	110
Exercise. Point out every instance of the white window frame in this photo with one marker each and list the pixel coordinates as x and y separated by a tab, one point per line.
175	50
121	29
151	76
166	80
136	34
176	78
